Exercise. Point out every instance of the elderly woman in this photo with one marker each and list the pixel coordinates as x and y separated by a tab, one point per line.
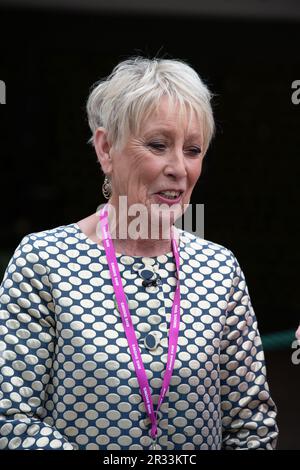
115	338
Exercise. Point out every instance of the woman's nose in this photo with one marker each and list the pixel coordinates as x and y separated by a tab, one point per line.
177	165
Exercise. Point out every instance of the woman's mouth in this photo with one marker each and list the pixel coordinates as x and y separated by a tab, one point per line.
169	197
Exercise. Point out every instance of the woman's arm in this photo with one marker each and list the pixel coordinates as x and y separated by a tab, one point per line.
27	342
248	411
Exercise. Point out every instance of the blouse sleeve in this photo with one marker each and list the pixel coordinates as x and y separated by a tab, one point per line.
248	411
27	343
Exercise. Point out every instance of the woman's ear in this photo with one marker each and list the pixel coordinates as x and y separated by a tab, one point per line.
103	148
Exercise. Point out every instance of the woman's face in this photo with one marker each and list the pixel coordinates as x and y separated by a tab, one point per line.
166	155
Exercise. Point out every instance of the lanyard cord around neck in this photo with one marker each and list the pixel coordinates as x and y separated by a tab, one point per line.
129	329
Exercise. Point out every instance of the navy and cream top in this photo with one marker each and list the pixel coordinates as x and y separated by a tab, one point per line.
67	378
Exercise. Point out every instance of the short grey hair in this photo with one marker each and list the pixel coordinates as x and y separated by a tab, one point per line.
122	101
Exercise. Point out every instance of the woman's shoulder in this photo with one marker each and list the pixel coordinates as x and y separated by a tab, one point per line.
50	240
213	259
51	234
196	245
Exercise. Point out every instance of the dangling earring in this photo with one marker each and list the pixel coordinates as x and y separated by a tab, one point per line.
106	188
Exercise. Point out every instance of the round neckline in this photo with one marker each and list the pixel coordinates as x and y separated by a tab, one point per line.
101	247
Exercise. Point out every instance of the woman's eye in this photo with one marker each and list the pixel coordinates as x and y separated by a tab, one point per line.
195	150
157	145
161	146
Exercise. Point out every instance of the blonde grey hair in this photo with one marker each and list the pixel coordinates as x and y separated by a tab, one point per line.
122	101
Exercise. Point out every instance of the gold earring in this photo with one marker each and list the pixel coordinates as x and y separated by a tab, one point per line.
106	187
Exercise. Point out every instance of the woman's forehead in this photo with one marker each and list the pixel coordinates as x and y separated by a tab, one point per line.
171	130
169	118
170	123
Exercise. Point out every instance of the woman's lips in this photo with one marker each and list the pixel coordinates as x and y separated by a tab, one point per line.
166	200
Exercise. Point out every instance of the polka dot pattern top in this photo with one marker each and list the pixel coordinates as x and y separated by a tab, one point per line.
67	378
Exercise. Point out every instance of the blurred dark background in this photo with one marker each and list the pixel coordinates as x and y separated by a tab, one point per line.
248	56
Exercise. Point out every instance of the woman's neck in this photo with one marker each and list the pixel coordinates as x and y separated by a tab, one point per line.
126	239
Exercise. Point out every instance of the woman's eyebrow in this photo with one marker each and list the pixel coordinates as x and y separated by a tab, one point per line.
167	131
160	130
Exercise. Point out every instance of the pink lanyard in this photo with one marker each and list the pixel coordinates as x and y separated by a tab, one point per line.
129	330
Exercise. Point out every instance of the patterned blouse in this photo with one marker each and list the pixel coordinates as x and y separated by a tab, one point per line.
67	378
